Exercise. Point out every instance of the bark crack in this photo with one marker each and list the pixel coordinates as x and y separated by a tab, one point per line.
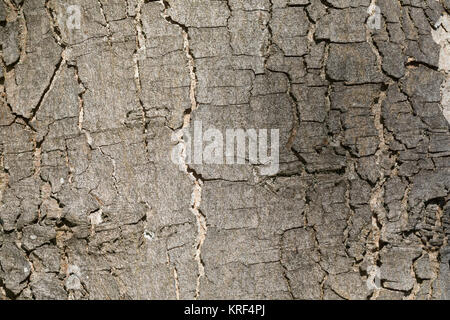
196	196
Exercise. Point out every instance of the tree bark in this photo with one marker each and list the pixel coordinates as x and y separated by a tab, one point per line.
96	96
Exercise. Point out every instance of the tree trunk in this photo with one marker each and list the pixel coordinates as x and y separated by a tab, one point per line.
123	174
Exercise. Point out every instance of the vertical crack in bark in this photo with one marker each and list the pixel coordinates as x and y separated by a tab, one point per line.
82	91
114	167
56	32
288	281
57	70
294	103
140	54
285	270
140	44
434	254
23	39
37	144
416	287
37	158
176	281
404	206
270	34
67	161
228	26
23	35
376	201
374	239
196	196
108	27
80	98
325	272
373	46
201	228
312	26
349	221
4	176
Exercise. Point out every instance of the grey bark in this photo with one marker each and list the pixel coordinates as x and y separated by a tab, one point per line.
92	207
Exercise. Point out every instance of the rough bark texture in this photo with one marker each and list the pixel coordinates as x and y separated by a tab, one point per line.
93	208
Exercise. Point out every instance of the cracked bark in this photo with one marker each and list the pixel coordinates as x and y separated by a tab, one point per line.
92	207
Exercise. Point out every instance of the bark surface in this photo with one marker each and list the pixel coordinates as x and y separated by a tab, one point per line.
92	207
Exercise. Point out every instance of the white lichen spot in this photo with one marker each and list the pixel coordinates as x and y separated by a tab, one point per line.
149	235
96	217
